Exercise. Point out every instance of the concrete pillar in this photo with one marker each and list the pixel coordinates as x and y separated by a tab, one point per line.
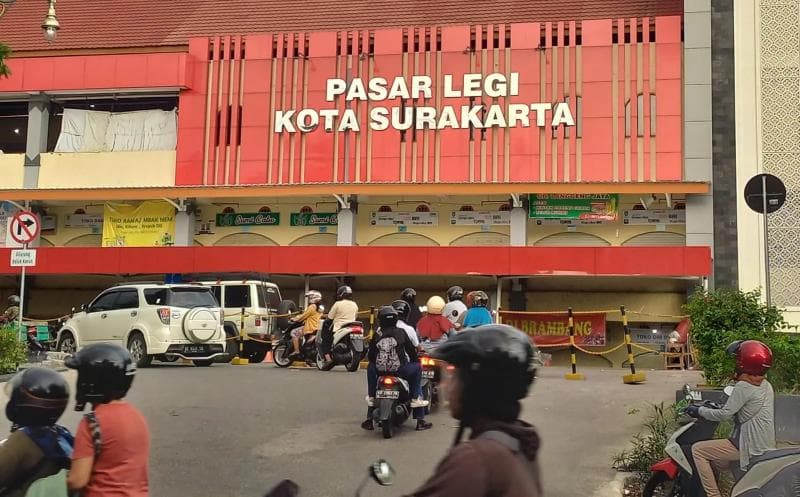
38	122
184	229
519	227
346	229
697	111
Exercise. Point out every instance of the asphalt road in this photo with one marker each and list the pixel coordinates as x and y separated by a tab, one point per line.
237	430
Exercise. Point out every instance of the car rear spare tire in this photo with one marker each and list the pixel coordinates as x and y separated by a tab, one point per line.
200	324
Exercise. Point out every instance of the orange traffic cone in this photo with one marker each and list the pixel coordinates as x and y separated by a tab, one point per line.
269	357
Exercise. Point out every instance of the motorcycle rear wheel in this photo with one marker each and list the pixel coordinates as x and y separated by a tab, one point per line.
355	360
659	485
280	356
388	428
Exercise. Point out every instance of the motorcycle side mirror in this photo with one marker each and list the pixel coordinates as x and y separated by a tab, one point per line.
321	309
382	472
82	307
728	390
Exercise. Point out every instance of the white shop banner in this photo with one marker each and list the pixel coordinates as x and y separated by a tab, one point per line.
655	216
405	219
480	218
92	221
570	222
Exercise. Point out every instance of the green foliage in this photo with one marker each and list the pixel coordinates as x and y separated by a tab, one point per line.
5	53
12	351
721	316
647	447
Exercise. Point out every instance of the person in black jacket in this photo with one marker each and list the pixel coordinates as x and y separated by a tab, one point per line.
414	315
391	352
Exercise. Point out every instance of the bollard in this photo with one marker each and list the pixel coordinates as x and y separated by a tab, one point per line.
634	377
241	360
574	375
371	321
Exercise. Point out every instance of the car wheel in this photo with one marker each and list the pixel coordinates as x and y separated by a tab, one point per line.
258	356
137	348
203	363
170	358
66	343
281	356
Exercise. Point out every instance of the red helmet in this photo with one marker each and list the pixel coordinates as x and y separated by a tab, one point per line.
752	357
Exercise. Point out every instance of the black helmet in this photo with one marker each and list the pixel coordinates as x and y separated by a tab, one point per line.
387	317
36	397
402	308
480	299
455	293
13	299
497	365
344	292
409	295
105	373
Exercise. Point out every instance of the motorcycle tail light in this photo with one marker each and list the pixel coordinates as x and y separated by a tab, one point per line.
357	330
427	361
163	314
388	380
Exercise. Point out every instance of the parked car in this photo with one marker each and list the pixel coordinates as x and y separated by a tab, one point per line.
153	321
260	300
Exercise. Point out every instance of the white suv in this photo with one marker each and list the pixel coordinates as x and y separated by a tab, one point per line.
160	321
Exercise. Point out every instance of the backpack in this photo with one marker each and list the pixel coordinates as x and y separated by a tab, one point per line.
54	485
387	360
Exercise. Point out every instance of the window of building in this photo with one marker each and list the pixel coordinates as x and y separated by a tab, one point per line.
13	127
466	208
306	209
384	208
423	208
265	209
229	210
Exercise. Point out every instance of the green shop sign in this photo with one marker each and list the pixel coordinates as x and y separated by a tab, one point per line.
249	219
601	207
313	219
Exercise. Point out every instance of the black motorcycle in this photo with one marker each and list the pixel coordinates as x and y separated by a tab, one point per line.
309	351
392	404
431	378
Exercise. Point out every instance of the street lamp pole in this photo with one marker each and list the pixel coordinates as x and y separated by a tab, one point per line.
50	25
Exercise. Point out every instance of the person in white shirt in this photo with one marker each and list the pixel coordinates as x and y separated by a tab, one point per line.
455	306
403	310
343	311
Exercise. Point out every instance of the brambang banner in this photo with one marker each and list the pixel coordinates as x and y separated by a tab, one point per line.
553	329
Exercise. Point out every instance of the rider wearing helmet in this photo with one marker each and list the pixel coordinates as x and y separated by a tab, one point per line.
434	328
343	311
112	444
403	310
751	406
11	313
494	369
478	314
410	296
391	352
455	306
37	448
310	319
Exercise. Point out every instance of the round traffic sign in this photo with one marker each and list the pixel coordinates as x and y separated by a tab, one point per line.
24	227
762	185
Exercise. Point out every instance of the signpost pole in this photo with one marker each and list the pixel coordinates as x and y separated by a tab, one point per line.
767	285
21	297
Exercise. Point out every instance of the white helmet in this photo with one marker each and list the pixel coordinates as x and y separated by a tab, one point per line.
313	296
435	305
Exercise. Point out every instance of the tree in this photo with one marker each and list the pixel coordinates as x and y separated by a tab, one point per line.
5	52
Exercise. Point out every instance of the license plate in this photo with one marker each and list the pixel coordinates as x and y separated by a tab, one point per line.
358	343
194	349
428	374
388	394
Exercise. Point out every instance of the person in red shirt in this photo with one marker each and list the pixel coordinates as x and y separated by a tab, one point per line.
433	328
112	445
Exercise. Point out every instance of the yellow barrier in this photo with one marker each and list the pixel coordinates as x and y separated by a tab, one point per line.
574	375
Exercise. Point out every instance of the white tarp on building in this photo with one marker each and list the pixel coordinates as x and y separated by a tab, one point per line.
98	131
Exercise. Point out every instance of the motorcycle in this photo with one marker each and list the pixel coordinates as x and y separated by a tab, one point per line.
380	471
392	404
431	378
309	351
348	348
675	476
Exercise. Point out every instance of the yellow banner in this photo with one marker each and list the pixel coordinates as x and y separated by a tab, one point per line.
149	224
